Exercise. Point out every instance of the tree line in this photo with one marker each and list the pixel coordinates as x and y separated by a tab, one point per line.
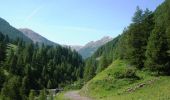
26	66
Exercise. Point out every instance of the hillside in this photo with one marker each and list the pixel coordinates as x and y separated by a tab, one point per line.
89	49
35	37
136	64
12	32
26	68
145	43
105	86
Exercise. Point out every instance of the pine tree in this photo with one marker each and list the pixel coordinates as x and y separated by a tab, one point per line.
138	16
137	38
156	54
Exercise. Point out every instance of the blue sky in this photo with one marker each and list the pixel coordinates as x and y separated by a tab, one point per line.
73	22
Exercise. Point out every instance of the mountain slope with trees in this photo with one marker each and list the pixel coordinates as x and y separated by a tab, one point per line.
26	67
144	44
12	32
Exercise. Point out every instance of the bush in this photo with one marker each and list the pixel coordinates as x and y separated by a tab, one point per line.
118	75
127	73
76	85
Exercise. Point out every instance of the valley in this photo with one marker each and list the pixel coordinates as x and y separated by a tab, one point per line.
133	65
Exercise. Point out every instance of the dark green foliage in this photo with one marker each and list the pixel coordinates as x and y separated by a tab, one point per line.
138	16
159	42
46	64
157	57
11	89
137	37
3	42
30	66
2	78
90	69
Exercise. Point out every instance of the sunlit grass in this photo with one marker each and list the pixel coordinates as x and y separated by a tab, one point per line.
105	87
60	96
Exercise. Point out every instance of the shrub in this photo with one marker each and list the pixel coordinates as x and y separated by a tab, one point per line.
127	73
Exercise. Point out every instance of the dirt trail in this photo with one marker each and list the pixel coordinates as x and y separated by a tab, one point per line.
74	95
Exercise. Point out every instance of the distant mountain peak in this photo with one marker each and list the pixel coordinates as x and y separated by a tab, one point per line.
100	42
88	49
36	37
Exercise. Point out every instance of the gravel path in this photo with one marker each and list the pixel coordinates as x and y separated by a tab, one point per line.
74	95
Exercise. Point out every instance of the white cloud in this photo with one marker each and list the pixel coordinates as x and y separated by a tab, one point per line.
33	13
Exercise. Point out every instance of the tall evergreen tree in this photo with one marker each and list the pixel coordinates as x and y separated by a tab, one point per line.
137	38
138	16
156	54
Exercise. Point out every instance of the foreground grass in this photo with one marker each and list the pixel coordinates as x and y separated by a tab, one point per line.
105	87
159	90
59	96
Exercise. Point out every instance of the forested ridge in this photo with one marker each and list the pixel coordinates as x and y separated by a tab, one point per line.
136	64
145	44
12	32
26	66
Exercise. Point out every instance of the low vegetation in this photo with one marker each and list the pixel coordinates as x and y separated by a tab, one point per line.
105	86
60	96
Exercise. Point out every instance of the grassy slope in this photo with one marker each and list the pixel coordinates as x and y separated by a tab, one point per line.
105	87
